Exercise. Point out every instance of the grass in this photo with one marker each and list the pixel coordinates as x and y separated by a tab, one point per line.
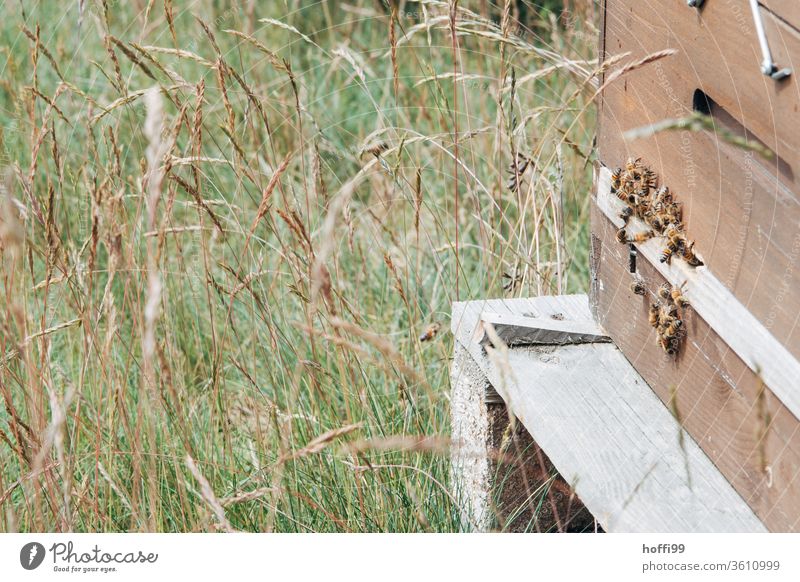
223	232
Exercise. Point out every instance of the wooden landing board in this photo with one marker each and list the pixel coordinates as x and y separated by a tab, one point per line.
603	428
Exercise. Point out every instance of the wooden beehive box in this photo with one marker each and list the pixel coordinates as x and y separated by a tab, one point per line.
735	382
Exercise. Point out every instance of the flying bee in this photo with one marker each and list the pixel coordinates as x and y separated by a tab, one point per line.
641	237
677	296
430	332
622	236
637	287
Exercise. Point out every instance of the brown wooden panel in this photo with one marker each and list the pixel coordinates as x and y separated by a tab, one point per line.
717	395
719	54
738	207
788	10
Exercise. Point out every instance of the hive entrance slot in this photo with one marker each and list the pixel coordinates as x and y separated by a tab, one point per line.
705	105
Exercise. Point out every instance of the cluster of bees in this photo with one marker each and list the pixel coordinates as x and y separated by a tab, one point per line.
637	186
665	318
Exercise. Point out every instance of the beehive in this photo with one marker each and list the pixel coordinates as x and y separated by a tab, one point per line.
734	383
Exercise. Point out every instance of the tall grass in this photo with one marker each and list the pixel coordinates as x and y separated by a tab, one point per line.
223	232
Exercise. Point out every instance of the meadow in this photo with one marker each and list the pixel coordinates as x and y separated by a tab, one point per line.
230	237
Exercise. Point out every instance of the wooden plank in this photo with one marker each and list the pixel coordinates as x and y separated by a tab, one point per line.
739	208
720	54
609	435
746	431
788	10
520	330
729	319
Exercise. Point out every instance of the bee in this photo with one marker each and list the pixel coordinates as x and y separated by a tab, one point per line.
637	287
616	180
634	168
669	345
655	310
663	195
673	328
664	291
430	332
656	223
641	237
649	179
622	236
376	149
666	254
677	296
626	214
690	257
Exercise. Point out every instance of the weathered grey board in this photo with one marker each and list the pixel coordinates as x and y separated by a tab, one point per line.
602	427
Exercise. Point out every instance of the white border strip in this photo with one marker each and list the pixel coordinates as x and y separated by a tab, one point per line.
712	301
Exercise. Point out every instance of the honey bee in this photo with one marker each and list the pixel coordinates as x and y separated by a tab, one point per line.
634	167
690	257
673	328
637	287
677	296
430	332
664	291
376	149
649	179
656	223
655	310
616	180
622	236
666	254
626	214
642	237
670	346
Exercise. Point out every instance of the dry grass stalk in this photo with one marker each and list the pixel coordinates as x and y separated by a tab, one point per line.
208	495
322	442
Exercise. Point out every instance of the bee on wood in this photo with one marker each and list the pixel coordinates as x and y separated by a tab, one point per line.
622	236
676	294
664	291
673	328
649	179
655	310
670	346
637	287
690	257
641	237
616	180
634	168
430	332
666	254
626	214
